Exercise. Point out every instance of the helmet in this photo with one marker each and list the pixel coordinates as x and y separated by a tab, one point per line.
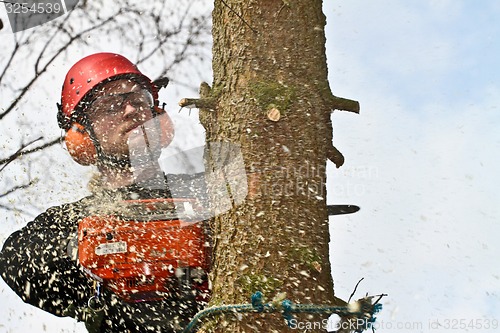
86	76
92	71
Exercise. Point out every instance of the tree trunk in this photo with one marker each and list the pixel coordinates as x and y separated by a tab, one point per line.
271	96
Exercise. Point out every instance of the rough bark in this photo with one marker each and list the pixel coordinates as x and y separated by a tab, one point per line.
271	95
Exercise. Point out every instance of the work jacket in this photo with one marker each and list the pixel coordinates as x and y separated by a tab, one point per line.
39	263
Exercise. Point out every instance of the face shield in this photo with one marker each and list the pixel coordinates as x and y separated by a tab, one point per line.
212	176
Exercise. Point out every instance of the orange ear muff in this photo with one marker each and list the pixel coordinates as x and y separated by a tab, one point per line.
80	145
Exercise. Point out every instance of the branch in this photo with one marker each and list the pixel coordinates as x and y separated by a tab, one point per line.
14	209
354	291
52	59
12	190
12	55
199	103
19	187
334	155
20	151
344	104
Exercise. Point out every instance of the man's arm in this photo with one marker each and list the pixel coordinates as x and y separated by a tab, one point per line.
35	262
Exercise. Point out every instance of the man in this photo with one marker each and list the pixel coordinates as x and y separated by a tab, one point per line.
105	106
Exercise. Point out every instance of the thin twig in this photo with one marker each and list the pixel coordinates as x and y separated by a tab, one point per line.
20	151
50	61
16	188
17	153
354	291
14	209
379	298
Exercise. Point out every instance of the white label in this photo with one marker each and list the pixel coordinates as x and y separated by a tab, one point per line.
111	248
188	208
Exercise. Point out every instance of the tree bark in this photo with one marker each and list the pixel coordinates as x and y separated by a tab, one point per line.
271	96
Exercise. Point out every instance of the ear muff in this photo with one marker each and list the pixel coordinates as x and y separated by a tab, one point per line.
80	145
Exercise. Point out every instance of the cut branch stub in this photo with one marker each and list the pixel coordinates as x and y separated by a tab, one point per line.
334	155
344	104
199	103
206	102
273	114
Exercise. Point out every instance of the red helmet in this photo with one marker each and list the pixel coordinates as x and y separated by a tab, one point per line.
82	79
93	70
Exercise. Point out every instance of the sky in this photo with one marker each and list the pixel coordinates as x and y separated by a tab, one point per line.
420	162
420	159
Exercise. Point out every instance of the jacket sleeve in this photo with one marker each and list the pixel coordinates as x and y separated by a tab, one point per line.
35	262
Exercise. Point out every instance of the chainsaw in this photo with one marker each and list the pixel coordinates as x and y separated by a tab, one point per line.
150	250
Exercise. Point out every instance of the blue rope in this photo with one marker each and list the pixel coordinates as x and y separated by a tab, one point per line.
287	308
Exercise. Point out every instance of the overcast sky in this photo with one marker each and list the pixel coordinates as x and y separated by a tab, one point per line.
421	158
420	161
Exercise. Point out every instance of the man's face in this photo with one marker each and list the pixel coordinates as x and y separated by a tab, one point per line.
118	108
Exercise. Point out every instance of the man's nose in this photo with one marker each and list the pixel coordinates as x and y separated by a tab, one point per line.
128	110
